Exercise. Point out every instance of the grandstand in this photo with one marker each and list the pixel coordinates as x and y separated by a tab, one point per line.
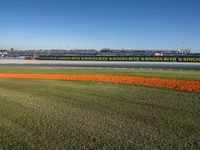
92	52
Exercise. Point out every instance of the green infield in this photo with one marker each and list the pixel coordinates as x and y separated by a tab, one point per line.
177	74
47	114
43	114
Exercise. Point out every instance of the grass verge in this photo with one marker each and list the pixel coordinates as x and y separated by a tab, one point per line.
41	114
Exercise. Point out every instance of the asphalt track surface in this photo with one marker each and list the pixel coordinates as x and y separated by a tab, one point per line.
96	64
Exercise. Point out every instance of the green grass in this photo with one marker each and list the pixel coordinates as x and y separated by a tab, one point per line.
178	74
43	114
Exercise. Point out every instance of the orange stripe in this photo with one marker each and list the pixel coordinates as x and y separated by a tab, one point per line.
186	85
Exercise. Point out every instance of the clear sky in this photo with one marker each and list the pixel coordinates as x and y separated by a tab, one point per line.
100	23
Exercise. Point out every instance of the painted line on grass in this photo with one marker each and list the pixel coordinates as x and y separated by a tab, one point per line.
178	84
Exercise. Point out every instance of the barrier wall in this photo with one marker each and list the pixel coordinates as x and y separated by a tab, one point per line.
124	58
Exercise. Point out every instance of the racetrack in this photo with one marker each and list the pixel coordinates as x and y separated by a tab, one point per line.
96	64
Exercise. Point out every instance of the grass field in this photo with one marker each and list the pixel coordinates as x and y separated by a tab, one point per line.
48	114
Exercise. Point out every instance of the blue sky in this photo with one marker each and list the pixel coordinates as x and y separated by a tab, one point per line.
100	23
